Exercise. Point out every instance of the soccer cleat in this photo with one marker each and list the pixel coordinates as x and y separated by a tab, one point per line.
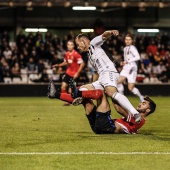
51	90
138	118
77	101
74	91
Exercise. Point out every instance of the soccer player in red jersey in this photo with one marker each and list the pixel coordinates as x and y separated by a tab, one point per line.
74	62
100	117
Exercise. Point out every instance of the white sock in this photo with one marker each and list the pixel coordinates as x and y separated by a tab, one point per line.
120	88
136	92
124	102
83	89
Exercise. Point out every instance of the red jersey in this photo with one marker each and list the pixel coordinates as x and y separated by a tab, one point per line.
74	59
130	127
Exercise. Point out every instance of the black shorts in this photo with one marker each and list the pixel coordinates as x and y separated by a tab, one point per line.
101	123
66	78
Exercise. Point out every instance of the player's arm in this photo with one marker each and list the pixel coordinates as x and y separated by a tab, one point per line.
95	76
109	33
79	70
120	109
81	65
135	54
60	65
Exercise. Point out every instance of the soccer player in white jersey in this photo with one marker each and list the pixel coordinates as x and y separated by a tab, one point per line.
106	75
130	68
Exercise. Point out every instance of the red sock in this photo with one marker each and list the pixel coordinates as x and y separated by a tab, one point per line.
63	91
66	97
92	94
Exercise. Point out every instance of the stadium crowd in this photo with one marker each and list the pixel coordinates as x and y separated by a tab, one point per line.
30	57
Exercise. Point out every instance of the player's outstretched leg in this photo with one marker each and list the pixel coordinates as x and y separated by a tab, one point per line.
77	101
51	90
90	94
74	91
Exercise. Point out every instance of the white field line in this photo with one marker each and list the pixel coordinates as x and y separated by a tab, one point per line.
84	153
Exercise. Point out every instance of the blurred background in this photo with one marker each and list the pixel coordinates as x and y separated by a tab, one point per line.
34	33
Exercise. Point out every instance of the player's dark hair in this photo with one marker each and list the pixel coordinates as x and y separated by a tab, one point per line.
152	104
82	35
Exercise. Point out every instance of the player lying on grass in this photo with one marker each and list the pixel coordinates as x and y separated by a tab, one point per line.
99	116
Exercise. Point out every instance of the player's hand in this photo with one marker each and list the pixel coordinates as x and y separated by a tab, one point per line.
115	32
76	76
55	66
123	63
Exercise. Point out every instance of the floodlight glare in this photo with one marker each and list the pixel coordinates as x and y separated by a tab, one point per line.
148	30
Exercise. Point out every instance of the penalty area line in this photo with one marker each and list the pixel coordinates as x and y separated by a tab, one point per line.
84	153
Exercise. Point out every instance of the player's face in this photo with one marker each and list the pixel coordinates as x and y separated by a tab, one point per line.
70	46
128	41
82	45
143	106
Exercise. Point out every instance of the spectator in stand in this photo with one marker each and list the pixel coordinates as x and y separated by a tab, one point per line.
31	66
42	52
1	73
71	36
15	71
7	53
35	56
41	66
157	58
165	39
39	39
146	41
6	71
48	36
162	50
56	60
146	61
43	77
60	52
20	40
31	39
152	48
22	61
160	68
167	57
64	42
56	41
5	37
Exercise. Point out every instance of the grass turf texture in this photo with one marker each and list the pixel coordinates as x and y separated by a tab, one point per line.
41	125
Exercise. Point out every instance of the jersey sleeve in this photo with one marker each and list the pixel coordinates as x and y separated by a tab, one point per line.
135	54
79	58
97	41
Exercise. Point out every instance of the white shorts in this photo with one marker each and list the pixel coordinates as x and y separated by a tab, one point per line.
108	78
131	76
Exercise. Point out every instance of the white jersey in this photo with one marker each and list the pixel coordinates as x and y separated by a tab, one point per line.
98	58
131	56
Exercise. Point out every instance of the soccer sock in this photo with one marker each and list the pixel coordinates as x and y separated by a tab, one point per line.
63	91
124	102
136	92
65	97
120	88
91	94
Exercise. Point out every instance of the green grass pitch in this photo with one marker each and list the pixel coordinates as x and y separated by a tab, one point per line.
41	134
